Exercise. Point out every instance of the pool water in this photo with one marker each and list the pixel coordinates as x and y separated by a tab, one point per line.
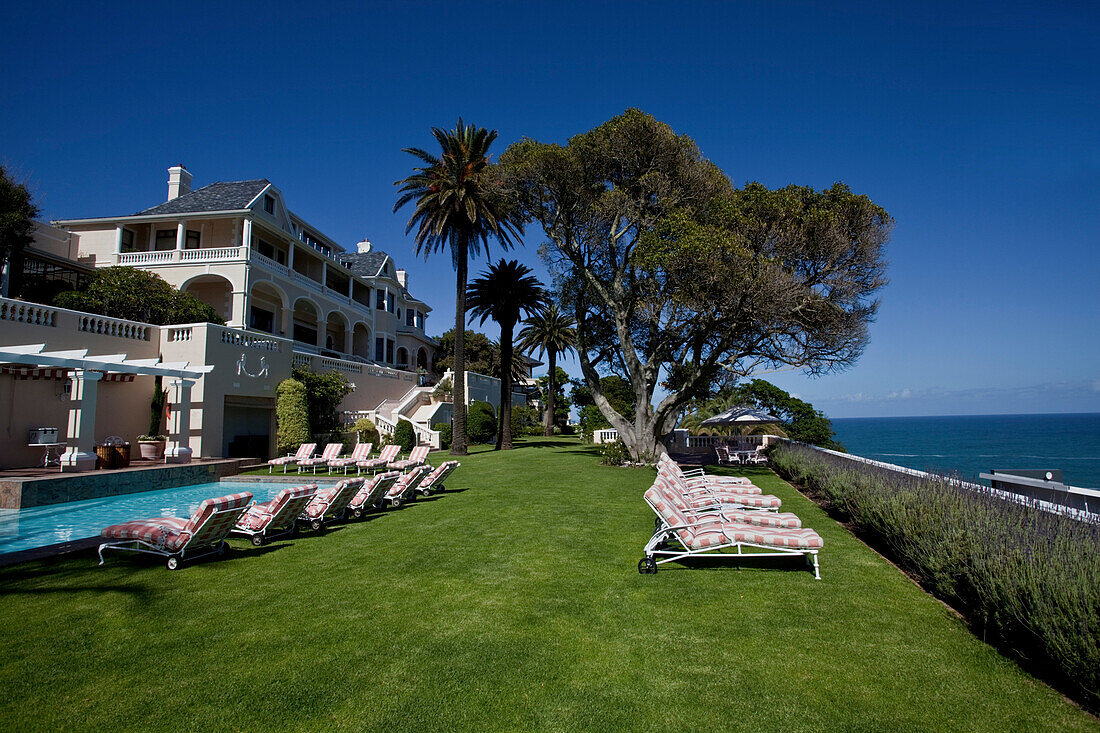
25	529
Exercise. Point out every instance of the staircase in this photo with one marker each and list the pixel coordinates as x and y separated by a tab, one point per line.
416	407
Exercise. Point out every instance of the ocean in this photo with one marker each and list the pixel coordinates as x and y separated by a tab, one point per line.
966	445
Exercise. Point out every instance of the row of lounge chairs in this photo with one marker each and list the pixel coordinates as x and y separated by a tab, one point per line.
707	516
330	459
205	532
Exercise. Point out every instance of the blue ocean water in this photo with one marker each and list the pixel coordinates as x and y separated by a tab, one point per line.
967	445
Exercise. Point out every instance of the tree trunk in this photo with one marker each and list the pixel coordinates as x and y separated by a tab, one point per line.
504	435
552	387
458	430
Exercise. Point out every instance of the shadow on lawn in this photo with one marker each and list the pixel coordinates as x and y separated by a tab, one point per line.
742	562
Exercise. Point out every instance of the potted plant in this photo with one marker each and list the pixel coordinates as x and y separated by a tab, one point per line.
152	445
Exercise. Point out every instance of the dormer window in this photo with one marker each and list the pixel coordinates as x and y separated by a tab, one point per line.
269	204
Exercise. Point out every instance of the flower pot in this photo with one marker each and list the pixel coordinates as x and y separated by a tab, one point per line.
152	450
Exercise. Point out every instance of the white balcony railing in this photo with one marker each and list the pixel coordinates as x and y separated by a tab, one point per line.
214	254
33	314
158	257
30	313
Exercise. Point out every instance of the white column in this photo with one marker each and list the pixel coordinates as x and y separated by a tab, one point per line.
246	234
290	256
118	239
179	423
347	340
322	332
238	314
80	453
181	237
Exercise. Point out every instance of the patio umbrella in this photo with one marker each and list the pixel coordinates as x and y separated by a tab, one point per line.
741	416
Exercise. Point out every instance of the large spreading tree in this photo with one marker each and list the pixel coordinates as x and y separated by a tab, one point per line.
678	279
458	206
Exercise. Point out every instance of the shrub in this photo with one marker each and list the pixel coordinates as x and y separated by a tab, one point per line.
444	429
291	415
614	453
481	423
1028	580
404	435
443	390
591	420
366	431
324	393
137	295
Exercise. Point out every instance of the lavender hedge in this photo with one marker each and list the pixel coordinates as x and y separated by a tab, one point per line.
1027	580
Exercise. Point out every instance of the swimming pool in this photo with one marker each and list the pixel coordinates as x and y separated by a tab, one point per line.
25	529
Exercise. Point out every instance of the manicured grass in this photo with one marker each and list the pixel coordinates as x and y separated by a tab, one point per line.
510	602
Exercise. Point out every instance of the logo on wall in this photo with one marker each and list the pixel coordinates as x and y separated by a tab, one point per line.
242	367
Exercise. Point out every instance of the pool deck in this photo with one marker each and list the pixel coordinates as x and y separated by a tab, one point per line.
30	487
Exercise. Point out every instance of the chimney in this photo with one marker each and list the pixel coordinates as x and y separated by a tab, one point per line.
363	247
403	279
179	182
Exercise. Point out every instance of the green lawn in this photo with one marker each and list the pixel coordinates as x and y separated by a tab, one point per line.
510	602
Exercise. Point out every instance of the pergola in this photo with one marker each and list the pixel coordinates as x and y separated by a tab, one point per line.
87	371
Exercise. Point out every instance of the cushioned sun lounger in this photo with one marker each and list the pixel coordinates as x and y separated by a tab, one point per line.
684	536
730	509
372	495
332	451
264	520
417	457
434	481
305	450
405	486
749	497
360	452
696	481
330	502
176	538
388	453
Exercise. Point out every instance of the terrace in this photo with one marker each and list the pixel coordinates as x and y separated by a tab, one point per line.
509	602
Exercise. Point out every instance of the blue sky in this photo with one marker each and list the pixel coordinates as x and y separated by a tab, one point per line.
976	126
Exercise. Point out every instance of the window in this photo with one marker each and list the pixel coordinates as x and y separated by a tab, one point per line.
380	349
166	239
262	320
389	351
127	240
380	302
193	239
389	302
398	314
419	320
269	204
305	334
267	249
409	315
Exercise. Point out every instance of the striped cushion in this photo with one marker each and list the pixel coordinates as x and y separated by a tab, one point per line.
174	534
305	450
258	516
418	455
388	454
440	474
360	453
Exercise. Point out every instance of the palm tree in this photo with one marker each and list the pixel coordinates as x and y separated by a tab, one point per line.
554	332
458	207
503	293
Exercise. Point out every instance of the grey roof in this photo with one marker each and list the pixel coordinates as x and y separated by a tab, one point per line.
220	196
364	264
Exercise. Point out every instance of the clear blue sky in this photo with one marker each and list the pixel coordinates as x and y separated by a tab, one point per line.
975	126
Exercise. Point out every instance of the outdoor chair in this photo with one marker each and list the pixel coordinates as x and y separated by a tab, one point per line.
388	453
417	457
698	478
743	508
405	486
740	495
330	502
332	452
305	451
724	457
264	520
360	452
176	538
434	481
372	495
682	536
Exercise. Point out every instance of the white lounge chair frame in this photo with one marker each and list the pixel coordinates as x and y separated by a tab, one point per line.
175	558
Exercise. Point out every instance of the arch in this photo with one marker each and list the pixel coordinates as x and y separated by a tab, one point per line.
361	340
214	290
402	357
267	304
421	358
305	321
336	331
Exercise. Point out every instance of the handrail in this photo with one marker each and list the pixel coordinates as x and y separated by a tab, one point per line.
35	314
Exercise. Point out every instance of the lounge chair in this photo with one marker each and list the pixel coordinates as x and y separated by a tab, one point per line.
388	453
697	477
372	495
434	481
360	452
176	538
330	502
731	508
305	451
405	486
683	536
417	457
264	520
331	452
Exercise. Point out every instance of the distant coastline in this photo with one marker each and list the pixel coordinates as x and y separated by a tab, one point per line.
967	445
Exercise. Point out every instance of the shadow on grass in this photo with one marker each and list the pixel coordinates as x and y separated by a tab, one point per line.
741	562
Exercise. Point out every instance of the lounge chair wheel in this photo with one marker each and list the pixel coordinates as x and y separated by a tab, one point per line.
357	513
173	563
397	502
223	549
315	524
258	540
647	566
